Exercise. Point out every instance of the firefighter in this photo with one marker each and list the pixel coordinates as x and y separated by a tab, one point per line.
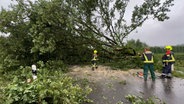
147	58
172	65
168	59
94	60
34	72
165	59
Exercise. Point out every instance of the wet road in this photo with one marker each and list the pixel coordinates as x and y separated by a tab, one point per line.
111	86
170	91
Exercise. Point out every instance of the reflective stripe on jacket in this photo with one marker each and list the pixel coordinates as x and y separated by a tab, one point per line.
148	57
171	59
94	57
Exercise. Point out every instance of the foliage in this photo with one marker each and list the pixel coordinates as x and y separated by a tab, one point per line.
8	60
132	58
127	63
107	22
51	87
158	62
137	45
3	84
158	49
69	30
56	65
139	100
176	49
179	59
179	65
179	72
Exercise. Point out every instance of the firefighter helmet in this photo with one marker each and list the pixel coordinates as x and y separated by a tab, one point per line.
168	47
95	51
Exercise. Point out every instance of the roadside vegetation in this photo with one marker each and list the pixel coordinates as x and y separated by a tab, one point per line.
179	65
139	100
52	86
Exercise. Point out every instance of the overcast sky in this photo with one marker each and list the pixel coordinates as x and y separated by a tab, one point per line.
169	32
152	32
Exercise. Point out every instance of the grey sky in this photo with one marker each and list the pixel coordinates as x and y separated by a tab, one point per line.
169	32
152	32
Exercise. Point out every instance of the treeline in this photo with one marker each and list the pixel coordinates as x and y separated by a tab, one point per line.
177	49
139	46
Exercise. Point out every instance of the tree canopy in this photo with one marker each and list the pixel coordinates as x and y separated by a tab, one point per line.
69	30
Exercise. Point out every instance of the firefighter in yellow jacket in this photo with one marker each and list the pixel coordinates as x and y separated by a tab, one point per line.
168	60
148	60
94	60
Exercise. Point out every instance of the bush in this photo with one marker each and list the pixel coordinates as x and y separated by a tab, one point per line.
158	63
49	88
56	65
127	63
139	100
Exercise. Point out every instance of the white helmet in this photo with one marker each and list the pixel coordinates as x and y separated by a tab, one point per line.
33	67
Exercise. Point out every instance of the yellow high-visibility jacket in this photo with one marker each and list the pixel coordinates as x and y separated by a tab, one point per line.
147	57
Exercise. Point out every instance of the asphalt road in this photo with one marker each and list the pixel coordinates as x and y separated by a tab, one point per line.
111	86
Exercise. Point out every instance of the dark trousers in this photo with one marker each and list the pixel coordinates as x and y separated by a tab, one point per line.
149	66
167	68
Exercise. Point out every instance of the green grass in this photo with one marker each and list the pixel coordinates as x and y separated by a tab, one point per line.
178	72
179	65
